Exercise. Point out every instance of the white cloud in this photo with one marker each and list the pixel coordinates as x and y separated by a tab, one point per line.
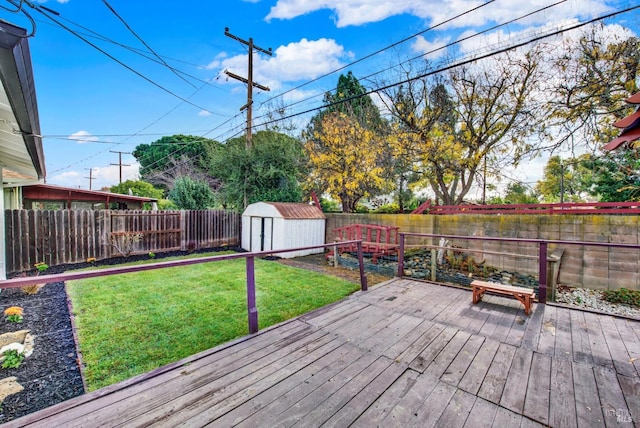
431	49
204	113
101	177
83	137
359	12
303	60
217	61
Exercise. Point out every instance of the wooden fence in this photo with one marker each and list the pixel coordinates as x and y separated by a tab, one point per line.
73	236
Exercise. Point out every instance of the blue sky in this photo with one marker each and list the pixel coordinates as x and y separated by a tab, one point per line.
90	105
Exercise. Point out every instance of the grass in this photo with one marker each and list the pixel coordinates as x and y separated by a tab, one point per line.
133	323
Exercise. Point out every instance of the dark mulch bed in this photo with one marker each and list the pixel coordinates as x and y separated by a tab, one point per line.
52	373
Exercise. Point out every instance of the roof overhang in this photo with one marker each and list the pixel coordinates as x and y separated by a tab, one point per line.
20	142
50	192
625	137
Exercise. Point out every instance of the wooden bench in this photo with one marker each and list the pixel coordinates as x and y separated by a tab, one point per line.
524	295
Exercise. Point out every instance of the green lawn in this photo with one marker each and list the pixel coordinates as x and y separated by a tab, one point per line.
133	323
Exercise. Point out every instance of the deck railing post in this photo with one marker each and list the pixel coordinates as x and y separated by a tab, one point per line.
252	310
363	277
542	273
400	273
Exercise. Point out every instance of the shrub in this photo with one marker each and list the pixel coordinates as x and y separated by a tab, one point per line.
388	209
623	295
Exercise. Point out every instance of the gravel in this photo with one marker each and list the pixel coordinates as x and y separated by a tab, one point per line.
592	299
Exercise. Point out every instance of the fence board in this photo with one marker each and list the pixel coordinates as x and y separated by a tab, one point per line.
73	236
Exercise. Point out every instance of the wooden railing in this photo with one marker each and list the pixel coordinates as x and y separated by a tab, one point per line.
564	208
252	310
543	248
378	240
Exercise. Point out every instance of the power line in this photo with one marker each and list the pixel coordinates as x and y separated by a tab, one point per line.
144	43
159	86
457	64
385	48
433	50
95	35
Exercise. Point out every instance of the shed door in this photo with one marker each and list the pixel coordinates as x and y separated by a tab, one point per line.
261	233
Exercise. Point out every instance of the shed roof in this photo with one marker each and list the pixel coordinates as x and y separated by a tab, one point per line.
288	210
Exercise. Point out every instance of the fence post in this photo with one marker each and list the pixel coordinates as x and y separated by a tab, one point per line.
363	277
400	273
542	273
252	310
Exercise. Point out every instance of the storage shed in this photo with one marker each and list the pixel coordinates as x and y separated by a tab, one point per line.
280	225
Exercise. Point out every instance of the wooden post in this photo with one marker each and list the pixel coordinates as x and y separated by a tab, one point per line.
252	310
400	273
335	256
363	277
542	273
434	264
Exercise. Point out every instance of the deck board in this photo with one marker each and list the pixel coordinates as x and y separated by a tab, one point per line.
405	353
562	410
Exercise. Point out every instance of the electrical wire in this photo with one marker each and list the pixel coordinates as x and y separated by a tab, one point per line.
27	15
159	86
433	27
143	42
495	27
457	64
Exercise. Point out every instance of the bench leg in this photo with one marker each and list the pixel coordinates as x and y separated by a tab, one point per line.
477	294
527	305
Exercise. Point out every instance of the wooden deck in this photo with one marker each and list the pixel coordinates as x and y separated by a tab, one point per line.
404	353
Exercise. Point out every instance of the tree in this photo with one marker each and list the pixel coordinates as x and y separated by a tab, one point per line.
168	158
563	180
517	193
614	177
137	188
344	160
351	99
476	114
595	74
189	194
271	170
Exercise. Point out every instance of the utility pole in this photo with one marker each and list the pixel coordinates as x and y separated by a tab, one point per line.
249	80
120	161
90	177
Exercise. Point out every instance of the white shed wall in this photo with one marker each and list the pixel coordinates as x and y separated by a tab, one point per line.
293	233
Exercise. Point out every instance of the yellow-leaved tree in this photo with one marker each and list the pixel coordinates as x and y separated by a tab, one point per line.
344	160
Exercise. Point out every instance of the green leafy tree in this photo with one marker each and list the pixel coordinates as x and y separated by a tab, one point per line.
518	193
614	177
189	194
137	188
350	98
566	177
271	170
168	158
